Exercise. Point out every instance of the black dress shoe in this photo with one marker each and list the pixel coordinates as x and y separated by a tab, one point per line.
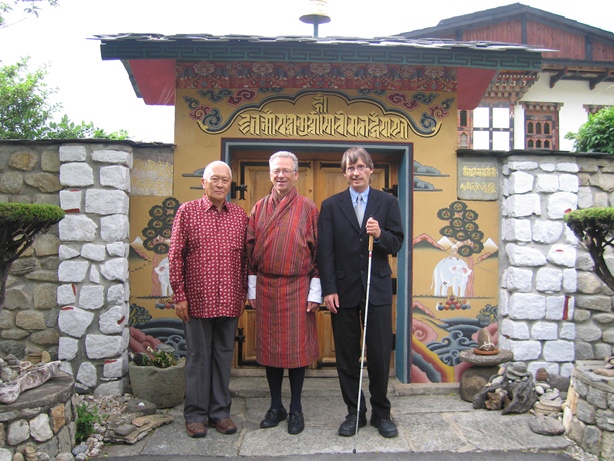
385	427
348	427
296	422
273	417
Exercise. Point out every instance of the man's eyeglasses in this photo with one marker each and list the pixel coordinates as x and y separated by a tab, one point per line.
361	168
217	180
285	172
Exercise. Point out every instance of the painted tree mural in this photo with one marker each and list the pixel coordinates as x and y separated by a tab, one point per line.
464	233
157	239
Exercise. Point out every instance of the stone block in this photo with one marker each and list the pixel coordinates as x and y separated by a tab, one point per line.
560	203
23	160
568	183
568	331
106	202
119	249
547	231
527	306
589	283
518	206
76	175
570	280
45	296
11	182
71	200
91	297
524	256
588	333
525	350
74	321
562	255
87	374
93	252
30	320
114	227
115	176
65	252
547	183
544	331
113	156
115	269
46	245
594	303
585	198
77	228
116	367
106	346
17	432
50	161
45	182
520	182
559	351
72	153
567	167
518	230
518	279
114	320
514	330
548	280
67	348
73	271
66	294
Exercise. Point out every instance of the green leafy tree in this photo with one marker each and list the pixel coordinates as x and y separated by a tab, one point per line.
21	223
596	135
27	113
594	227
29	7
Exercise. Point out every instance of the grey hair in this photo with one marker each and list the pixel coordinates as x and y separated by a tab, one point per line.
284	154
209	169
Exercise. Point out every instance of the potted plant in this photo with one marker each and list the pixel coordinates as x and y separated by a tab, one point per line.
158	376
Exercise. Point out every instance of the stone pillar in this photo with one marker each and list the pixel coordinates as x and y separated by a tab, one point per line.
538	262
93	272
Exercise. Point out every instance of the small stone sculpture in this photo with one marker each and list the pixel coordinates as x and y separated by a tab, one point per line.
485	342
22	375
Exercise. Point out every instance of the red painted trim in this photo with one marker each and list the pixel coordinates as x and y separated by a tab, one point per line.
472	84
155	80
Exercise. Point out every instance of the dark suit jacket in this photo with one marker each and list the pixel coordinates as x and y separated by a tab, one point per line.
342	254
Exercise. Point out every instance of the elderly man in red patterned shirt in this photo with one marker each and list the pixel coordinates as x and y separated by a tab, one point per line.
208	274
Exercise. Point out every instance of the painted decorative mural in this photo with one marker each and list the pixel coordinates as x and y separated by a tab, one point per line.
446	318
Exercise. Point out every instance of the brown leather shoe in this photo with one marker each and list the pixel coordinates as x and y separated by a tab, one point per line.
196	429
223	425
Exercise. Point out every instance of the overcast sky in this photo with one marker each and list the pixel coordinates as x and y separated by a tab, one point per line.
90	89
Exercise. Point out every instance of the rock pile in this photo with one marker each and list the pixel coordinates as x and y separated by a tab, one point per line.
514	390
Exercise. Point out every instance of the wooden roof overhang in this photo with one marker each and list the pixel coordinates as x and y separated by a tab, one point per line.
151	59
591	70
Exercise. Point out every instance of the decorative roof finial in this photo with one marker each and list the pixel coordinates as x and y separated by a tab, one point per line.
317	15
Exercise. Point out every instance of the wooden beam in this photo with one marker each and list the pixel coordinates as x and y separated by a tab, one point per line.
556	77
600	78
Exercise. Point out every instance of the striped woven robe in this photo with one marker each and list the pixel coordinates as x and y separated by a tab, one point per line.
281	246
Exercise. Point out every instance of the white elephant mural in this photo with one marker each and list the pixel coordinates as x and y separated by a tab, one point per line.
163	276
452	273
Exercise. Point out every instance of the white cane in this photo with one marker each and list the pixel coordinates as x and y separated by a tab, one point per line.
364	339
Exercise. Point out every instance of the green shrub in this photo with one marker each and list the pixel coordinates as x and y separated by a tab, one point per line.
596	135
86	419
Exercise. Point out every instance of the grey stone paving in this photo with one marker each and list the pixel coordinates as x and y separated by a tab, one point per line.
439	423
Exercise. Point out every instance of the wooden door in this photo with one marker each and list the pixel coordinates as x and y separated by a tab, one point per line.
318	180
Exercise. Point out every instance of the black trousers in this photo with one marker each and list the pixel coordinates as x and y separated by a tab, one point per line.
347	331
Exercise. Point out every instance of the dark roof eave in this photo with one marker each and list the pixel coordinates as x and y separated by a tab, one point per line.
394	50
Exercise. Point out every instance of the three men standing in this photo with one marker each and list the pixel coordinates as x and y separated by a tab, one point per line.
211	243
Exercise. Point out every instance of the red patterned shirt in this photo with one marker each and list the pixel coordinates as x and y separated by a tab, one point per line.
207	259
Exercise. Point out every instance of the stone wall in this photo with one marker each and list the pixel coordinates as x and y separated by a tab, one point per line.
553	308
69	294
29	174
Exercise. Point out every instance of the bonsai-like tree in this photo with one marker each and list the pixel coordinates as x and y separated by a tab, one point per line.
21	223
462	229
595	229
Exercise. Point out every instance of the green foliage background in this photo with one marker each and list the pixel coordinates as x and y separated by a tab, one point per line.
596	135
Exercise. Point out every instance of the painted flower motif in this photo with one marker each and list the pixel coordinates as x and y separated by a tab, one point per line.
377	70
349	70
263	68
199	113
234	68
320	68
291	69
204	68
434	71
406	71
422	332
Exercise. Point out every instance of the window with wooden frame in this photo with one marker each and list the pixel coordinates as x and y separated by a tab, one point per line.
493	127
541	125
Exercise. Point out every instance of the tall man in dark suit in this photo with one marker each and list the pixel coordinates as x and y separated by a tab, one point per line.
342	259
